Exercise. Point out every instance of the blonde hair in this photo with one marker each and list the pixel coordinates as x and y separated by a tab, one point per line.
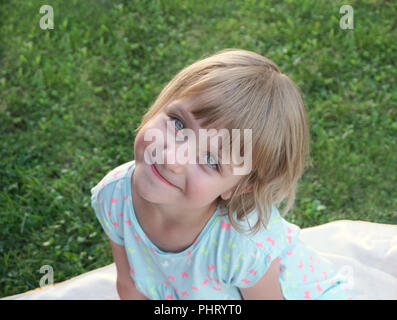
245	90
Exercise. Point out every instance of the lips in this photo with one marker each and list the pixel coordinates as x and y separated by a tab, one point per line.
158	175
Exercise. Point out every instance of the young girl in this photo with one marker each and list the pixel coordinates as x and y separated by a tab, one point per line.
197	230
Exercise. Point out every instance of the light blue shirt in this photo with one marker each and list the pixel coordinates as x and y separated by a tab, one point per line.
220	261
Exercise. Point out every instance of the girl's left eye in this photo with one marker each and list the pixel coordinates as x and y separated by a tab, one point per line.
212	161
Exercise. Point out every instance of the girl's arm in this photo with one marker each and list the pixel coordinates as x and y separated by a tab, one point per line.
125	284
268	287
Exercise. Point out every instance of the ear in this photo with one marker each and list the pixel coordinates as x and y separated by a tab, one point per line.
227	194
249	188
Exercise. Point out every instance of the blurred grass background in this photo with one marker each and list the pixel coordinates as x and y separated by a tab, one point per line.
71	97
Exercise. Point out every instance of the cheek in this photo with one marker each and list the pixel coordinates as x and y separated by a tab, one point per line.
140	144
202	187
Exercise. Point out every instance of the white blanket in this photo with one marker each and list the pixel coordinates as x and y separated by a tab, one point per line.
363	250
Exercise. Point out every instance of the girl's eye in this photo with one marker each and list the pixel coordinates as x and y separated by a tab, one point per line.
212	161
178	124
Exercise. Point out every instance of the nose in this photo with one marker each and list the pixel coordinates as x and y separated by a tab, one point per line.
176	157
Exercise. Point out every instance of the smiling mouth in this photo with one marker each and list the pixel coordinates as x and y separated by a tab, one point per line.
158	175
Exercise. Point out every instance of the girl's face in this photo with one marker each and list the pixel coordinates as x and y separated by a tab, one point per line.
186	184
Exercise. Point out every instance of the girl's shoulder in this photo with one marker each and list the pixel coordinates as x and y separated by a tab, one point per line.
112	177
108	201
245	256
278	235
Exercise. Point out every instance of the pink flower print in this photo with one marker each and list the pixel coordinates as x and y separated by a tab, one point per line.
125	198
217	289
184	294
289	230
319	289
195	241
221	210
167	283
184	274
246	281
138	238
325	275
195	288
307	294
115	224
225	225
109	213
189	253
269	257
349	298
311	257
169	297
271	241
304	278
115	175
311	268
290	252
318	261
171	278
205	282
132	271
300	264
289	239
114	200
211	267
253	272
128	222
259	244
121	214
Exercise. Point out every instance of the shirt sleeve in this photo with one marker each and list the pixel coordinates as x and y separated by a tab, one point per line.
257	252
248	266
106	204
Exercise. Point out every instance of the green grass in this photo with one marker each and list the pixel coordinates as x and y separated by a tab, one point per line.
70	99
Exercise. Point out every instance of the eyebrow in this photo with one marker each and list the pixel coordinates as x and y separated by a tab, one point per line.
178	108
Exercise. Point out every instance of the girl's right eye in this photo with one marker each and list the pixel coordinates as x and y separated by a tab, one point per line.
178	123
